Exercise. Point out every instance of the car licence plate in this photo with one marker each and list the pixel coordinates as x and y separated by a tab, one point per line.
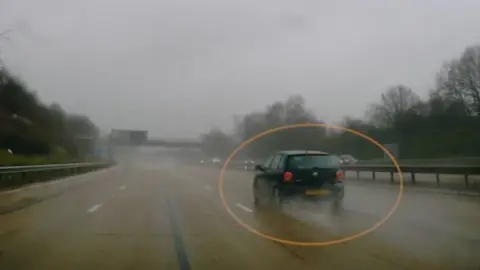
317	192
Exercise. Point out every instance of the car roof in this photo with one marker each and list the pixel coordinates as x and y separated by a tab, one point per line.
301	152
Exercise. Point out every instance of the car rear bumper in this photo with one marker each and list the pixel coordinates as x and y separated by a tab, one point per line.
325	192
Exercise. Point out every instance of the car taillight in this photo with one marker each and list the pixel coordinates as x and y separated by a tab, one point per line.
287	176
340	176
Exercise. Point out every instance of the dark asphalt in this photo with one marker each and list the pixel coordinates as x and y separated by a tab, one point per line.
170	217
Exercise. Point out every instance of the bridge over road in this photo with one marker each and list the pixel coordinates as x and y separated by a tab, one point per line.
189	143
141	138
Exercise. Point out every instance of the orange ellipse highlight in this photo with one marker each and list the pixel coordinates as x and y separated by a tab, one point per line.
313	243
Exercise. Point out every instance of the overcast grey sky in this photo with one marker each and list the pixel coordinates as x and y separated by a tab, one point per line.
179	67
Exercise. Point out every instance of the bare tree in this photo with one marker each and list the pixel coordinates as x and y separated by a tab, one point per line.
395	102
445	124
3	36
458	82
291	111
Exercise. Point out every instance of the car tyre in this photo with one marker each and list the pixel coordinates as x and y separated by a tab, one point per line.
257	197
337	204
276	200
341	195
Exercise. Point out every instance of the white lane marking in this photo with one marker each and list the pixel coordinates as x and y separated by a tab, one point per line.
207	188
122	187
244	208
94	208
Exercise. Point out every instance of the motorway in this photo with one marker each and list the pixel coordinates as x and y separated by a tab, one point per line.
170	216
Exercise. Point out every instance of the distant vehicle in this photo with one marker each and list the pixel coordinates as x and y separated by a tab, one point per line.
299	174
216	160
249	164
348	159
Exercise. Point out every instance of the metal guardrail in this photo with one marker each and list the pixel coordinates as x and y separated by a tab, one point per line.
15	176
435	161
437	170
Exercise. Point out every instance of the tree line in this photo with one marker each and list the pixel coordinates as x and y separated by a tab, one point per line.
31	128
446	124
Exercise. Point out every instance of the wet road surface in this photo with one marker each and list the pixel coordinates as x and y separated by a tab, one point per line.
171	217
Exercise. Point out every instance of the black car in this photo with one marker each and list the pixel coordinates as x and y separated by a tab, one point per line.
299	174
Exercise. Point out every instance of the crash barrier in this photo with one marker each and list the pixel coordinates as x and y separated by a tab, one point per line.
437	170
15	176
433	161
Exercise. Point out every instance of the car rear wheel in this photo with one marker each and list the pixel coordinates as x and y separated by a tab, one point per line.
258	193
337	204
256	199
276	200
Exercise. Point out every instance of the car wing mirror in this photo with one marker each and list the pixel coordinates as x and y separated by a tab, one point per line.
259	168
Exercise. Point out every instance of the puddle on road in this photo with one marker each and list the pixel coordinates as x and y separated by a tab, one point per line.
342	222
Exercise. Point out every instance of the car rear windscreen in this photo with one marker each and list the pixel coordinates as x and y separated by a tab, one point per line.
309	161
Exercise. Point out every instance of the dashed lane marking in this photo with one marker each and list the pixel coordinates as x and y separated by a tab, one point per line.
244	208
94	208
